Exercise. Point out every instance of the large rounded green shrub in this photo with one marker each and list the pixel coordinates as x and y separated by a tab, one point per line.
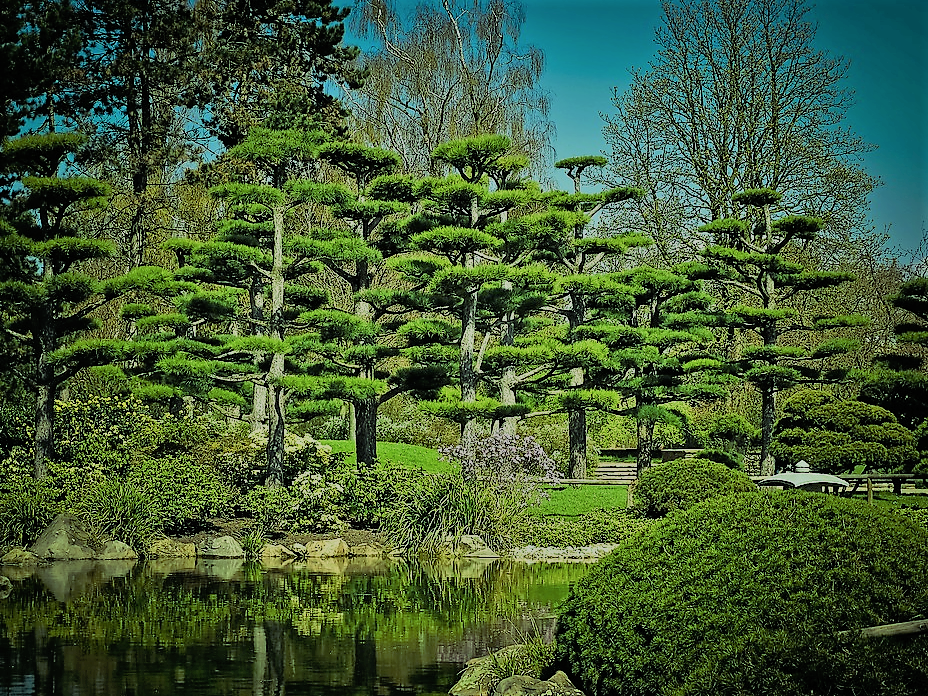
749	595
682	483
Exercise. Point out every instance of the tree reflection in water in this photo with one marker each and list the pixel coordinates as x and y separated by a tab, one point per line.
332	627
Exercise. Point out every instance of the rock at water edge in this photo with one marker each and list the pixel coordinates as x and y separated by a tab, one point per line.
220	547
327	548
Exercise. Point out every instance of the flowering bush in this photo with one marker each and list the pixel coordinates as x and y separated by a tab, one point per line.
241	457
100	436
504	456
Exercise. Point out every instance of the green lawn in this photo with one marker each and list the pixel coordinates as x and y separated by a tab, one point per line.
411	455
892	501
567	502
578	500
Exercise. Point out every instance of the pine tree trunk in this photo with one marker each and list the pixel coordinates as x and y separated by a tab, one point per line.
767	420
258	416
645	445
276	401
467	374
507	397
366	430
276	435
576	432
44	430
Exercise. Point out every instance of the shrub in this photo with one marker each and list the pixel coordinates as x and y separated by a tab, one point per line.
747	595
596	527
836	436
183	493
119	509
240	457
271	508
682	483
504	456
100	436
436	506
27	507
370	491
486	496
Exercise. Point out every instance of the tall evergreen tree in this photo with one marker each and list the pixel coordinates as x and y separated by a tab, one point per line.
751	255
272	59
47	290
579	256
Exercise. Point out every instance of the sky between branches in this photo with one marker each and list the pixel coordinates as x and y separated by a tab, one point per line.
590	46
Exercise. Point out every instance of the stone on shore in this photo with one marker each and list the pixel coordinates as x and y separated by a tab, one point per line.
220	547
171	548
519	685
18	556
326	548
276	551
116	551
65	539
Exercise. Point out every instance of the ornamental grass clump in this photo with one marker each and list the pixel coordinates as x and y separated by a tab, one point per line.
759	594
486	496
682	483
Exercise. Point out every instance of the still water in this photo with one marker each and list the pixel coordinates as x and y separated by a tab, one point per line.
358	627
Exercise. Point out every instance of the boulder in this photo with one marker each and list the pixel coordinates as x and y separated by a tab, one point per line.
365	550
468	545
298	549
558	685
327	548
171	548
276	551
19	557
65	539
116	551
477	676
220	547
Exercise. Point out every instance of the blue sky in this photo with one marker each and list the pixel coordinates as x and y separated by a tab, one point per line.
590	45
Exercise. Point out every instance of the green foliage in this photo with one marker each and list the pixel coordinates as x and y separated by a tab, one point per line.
101	436
121	510
252	543
682	483
747	595
601	526
183	492
27	506
836	436
530	657
370	491
433	507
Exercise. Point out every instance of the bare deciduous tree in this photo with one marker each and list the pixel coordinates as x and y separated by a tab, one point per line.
737	98
452	69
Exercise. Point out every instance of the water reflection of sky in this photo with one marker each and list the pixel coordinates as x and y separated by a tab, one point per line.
338	626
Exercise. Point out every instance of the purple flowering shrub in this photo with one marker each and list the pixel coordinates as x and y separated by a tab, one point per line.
504	456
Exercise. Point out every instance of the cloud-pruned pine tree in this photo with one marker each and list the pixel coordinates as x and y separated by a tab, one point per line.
751	255
48	289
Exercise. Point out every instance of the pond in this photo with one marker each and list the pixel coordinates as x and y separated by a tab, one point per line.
335	626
